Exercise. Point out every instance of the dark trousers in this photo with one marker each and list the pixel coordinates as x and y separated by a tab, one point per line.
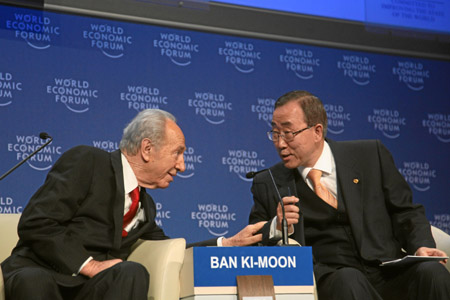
426	280
126	280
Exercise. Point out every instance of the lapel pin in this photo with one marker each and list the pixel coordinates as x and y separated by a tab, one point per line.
355	180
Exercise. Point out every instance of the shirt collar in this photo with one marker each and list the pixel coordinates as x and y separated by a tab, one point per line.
324	163
129	179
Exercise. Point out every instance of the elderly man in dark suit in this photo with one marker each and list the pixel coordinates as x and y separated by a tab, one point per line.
77	230
349	202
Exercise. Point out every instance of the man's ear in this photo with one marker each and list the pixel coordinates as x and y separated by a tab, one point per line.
146	150
318	132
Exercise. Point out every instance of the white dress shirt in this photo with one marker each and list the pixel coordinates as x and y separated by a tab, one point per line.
130	183
326	164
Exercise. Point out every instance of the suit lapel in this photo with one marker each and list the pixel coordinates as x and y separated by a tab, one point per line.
349	185
119	200
149	210
284	180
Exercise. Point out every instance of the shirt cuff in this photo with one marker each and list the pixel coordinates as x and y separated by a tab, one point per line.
219	241
276	234
83	265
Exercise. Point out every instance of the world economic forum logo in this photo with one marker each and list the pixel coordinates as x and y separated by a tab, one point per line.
140	97
110	40
337	117
240	162
24	145
37	30
418	174
438	124
215	218
75	94
211	106
388	122
441	221
178	48
8	88
358	68
162	214
263	108
7	206
412	74
106	145
191	160
301	62
242	56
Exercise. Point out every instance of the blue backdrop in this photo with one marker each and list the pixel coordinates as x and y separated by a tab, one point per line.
81	79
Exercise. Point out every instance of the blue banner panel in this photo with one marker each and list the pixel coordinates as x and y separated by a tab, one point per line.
82	79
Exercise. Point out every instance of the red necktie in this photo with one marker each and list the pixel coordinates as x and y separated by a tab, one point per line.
134	194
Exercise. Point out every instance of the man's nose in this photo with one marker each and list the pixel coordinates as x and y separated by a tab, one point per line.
280	143
180	166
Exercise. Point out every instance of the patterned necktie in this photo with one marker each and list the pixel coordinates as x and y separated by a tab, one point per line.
321	191
128	217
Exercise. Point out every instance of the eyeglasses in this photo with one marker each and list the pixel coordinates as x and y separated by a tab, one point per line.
287	136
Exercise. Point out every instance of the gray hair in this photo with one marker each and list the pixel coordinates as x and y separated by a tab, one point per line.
149	123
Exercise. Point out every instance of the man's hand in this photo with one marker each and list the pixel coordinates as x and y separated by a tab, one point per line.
246	236
424	251
291	210
94	267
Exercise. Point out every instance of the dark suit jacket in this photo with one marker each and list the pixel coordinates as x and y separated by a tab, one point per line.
377	199
78	213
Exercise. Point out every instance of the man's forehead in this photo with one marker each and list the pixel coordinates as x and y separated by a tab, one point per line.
282	123
177	140
181	145
287	115
174	135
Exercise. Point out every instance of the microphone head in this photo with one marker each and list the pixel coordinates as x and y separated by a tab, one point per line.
44	135
251	174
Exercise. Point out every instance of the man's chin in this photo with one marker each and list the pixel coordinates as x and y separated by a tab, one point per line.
166	183
163	184
290	164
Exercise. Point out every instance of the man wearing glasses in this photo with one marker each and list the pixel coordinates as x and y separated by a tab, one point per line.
349	202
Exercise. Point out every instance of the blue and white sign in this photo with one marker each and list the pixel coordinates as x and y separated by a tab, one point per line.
219	266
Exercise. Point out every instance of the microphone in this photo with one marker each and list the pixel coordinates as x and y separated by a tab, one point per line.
252	174
284	225
42	135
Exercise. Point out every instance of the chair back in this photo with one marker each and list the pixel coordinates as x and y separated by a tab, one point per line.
8	234
442	242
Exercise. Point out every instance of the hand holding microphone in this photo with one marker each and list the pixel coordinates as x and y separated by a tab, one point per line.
282	223
292	212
